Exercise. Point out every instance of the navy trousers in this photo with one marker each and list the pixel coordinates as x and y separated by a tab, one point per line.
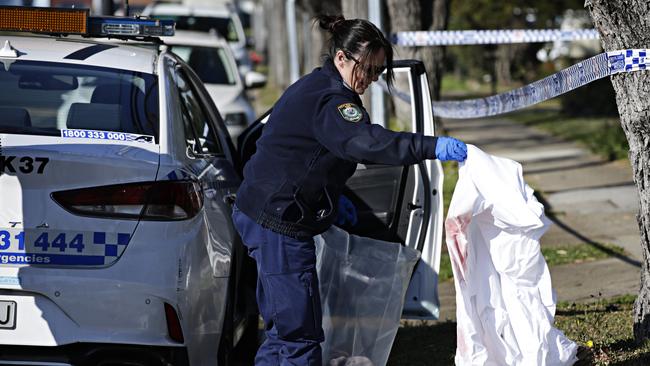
287	295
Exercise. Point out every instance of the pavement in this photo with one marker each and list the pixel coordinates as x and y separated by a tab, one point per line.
590	201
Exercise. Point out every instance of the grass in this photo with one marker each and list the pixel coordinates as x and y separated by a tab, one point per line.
453	85
266	97
578	253
605	324
420	345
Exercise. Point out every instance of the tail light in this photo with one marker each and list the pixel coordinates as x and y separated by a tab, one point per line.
166	200
173	324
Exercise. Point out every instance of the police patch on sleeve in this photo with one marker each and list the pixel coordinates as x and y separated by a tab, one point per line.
350	111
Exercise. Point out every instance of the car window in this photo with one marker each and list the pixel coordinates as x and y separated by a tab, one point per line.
224	26
210	63
44	98
199	132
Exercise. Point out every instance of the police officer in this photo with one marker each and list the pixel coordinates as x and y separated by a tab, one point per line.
316	134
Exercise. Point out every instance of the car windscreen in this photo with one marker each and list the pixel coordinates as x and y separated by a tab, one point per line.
44	98
224	26
210	63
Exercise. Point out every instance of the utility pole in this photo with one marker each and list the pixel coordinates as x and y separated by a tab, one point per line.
294	67
377	96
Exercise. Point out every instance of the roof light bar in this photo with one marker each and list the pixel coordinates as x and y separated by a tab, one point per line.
78	21
134	27
43	20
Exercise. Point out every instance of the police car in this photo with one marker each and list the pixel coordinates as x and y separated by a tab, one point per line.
116	178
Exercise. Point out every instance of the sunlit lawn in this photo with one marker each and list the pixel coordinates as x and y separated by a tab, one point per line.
605	324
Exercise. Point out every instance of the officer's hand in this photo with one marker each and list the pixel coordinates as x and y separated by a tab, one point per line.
449	148
347	213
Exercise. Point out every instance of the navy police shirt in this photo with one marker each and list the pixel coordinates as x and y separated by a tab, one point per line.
316	134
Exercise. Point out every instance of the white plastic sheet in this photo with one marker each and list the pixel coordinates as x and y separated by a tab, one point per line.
362	285
505	302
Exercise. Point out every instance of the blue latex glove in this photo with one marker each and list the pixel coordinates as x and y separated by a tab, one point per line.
449	148
347	213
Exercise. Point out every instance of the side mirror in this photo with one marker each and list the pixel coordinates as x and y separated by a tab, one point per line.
254	79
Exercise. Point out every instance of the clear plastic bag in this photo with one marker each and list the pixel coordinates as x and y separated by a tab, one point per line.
362	285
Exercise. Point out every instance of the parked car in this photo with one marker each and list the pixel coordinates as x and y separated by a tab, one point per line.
222	18
212	60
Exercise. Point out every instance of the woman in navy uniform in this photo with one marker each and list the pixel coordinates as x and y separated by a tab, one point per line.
316	134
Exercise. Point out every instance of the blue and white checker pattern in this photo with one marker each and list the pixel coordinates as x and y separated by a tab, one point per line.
575	76
628	60
61	248
502	36
114	244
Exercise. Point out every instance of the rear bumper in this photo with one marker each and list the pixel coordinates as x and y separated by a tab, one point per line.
95	354
123	303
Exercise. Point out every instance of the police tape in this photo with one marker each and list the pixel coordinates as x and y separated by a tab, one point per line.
474	37
575	76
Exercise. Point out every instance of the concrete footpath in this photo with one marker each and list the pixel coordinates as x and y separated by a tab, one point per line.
590	201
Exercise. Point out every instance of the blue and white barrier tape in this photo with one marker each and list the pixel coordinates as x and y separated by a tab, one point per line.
473	37
575	76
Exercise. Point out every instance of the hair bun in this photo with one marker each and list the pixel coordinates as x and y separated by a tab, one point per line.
330	22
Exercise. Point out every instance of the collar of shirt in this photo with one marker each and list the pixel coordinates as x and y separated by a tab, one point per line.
330	70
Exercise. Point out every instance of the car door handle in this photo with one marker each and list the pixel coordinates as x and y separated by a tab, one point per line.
230	198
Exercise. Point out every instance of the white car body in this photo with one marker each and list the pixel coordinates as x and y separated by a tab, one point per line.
234	33
112	297
229	94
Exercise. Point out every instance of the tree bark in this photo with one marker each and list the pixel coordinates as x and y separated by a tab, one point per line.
278	43
625	24
356	9
352	9
316	37
415	15
435	18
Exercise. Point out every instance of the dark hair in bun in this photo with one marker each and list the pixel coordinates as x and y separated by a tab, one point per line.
357	37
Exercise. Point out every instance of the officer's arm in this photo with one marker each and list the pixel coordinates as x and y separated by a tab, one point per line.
343	128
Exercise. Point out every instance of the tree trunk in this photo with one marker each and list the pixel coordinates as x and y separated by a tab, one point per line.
404	15
357	9
316	48
278	53
415	15
625	24
434	17
353	9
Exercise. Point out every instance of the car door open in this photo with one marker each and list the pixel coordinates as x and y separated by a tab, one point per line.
401	204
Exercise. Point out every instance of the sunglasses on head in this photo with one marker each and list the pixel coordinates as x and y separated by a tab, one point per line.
368	69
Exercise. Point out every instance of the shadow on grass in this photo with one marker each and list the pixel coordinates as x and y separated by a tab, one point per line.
627	346
640	360
420	345
571	312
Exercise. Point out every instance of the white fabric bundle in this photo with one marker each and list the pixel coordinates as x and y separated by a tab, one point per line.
505	302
